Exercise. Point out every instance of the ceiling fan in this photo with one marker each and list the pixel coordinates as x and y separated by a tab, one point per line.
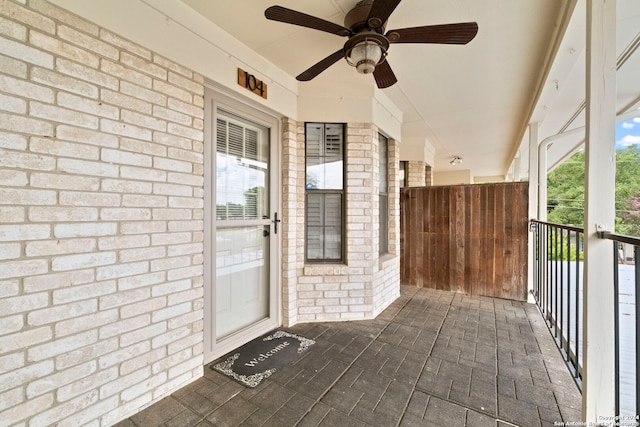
367	46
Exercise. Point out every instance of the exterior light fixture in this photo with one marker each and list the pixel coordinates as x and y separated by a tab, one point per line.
365	56
366	50
456	160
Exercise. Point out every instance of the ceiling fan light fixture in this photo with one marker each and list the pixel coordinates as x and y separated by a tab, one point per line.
365	55
367	45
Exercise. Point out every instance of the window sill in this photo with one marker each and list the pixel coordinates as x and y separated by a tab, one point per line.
386	260
325	270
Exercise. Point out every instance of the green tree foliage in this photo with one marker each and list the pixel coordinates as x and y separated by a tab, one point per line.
628	191
563	247
565	191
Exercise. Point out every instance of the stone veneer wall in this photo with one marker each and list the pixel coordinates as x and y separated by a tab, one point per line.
292	225
101	221
365	284
386	281
416	175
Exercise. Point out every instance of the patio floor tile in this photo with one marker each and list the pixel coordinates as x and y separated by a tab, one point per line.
433	358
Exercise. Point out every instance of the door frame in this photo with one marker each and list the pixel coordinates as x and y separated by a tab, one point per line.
215	100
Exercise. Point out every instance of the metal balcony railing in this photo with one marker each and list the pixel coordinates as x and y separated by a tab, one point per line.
557	288
558	272
626	283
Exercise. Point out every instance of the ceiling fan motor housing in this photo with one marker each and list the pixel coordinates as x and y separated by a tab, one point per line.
368	46
356	18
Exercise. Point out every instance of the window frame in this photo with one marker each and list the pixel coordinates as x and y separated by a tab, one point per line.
342	192
383	214
403	166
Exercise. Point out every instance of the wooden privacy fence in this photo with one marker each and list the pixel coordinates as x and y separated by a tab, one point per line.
466	238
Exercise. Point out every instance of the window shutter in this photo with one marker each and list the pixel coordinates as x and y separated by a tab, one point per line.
238	152
324	151
383	205
315	227
333	226
221	136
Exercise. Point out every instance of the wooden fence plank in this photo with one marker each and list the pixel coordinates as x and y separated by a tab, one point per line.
470	239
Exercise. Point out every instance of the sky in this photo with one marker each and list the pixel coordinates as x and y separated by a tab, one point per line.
628	133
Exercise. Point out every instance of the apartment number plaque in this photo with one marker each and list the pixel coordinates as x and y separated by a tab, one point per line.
251	83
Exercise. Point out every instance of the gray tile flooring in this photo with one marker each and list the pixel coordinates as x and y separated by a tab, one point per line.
433	358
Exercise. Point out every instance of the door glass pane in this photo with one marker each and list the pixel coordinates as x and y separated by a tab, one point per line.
242	181
242	288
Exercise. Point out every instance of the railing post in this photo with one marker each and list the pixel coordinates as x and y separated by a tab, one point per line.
533	202
636	258
579	338
598	401
556	293
627	388
533	264
562	288
616	322
569	293
548	273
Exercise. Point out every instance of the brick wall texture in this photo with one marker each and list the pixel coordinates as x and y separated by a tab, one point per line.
101	229
365	284
101	223
416	174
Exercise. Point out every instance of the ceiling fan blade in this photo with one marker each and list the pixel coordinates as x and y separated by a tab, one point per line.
460	33
384	75
380	11
322	65
289	16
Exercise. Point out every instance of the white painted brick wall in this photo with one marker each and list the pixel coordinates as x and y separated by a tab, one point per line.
386	282
416	174
364	285
101	209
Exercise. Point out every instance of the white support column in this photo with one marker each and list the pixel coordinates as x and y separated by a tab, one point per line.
533	196
517	169
598	320
541	151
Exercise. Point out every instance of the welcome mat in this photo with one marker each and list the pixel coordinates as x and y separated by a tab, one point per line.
260	358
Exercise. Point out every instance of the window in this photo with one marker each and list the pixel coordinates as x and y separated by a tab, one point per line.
383	150
403	173
324	150
241	170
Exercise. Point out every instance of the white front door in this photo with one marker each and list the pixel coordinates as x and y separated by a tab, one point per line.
241	289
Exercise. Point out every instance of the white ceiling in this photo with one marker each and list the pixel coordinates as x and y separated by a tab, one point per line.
474	100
